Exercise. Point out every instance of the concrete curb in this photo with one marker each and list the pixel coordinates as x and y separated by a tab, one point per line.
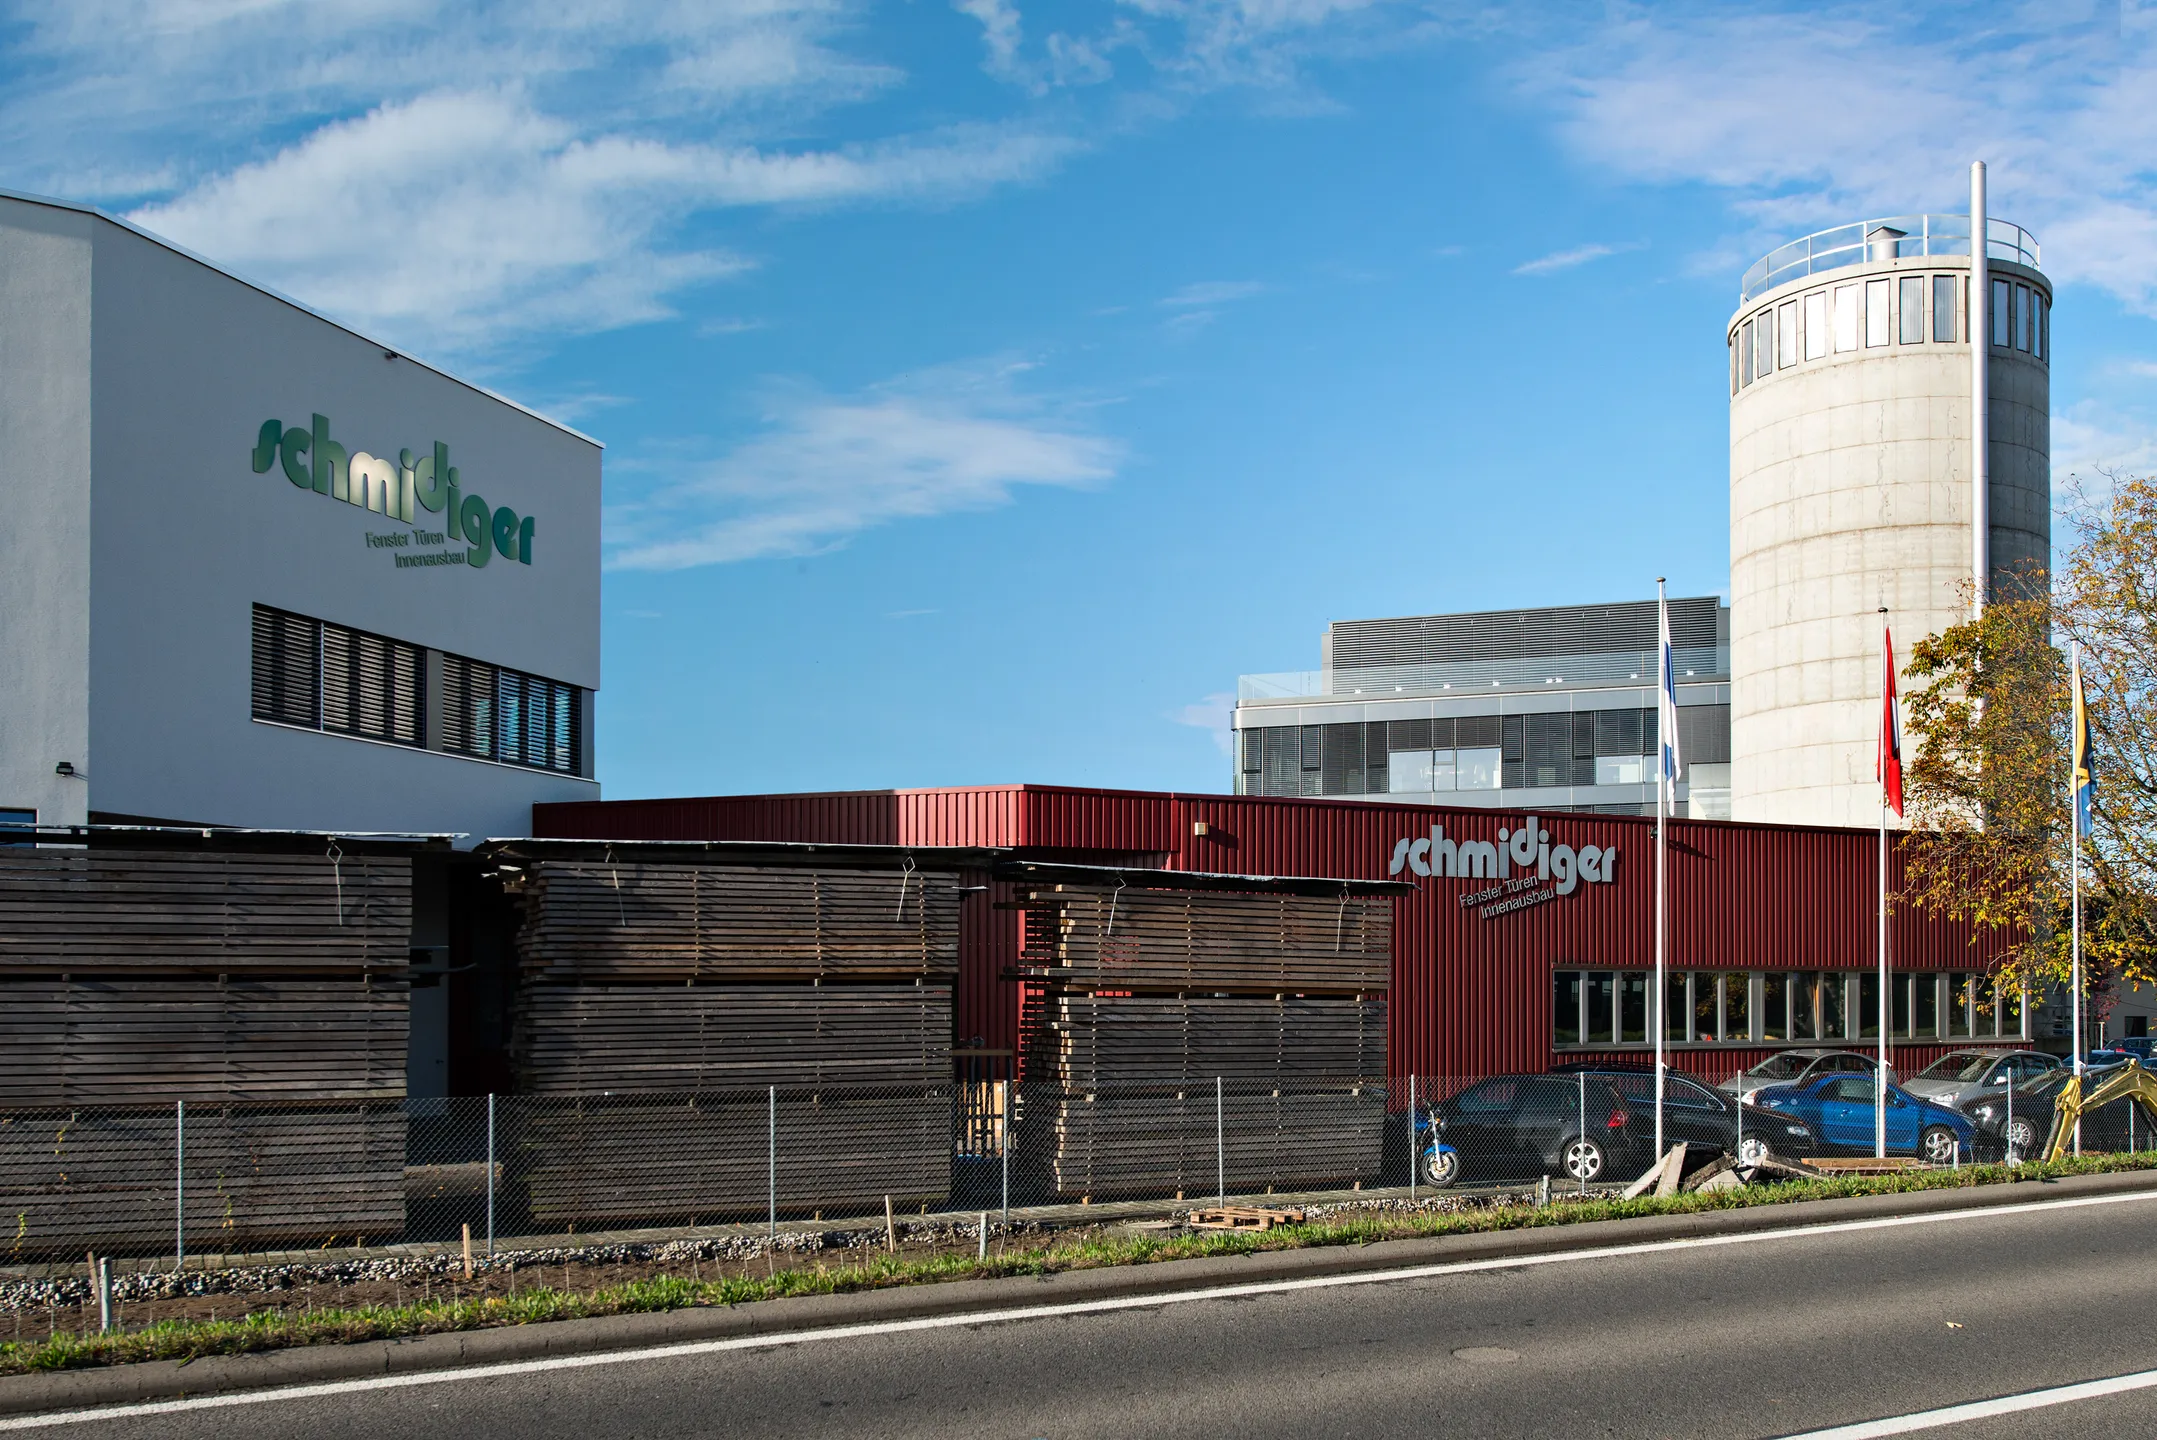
169	1379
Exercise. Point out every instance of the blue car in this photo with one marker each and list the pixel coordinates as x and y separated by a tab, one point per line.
1839	1108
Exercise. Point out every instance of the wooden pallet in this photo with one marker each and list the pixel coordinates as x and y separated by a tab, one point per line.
1863	1164
1241	1217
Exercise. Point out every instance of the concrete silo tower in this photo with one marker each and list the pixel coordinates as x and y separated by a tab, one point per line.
1852	427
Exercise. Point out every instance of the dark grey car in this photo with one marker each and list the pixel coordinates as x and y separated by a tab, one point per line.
1961	1078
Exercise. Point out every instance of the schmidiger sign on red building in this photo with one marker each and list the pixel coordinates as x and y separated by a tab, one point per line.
1528	940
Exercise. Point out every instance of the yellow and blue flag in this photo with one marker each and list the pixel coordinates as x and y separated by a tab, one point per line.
2085	779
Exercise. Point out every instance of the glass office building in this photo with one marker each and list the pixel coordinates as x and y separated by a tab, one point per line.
1550	709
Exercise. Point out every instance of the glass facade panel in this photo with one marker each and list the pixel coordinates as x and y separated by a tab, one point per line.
1804	1006
1834	1006
1946	308
1849	299
1775	1006
1602	1007
1622	770
1879	312
1868	1006
1737	1005
1705	1025
1910	322
1925	1006
1899	1020
1816	332
1958	1005
1676	1006
1983	1017
2003	308
2022	317
1565	1007
1764	345
1786	334
1478	769
1633	1008
1408	771
1745	354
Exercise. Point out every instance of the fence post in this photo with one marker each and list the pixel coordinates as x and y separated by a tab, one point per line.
104	1294
1415	1139
773	1140
1740	1155
490	1174
2008	1151
1011	1095
179	1184
1220	1143
1580	1145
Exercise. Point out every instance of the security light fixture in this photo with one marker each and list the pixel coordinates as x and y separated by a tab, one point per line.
65	768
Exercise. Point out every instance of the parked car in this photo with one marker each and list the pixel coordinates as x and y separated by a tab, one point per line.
1516	1127
2017	1122
1840	1109
1795	1067
1960	1077
1714	1123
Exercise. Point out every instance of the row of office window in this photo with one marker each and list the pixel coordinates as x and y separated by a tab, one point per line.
1748	1007
342	681
1472	752
1891	310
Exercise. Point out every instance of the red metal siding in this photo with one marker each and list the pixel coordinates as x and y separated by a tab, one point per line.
1470	995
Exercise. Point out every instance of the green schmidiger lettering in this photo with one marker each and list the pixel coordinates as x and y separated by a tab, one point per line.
395	490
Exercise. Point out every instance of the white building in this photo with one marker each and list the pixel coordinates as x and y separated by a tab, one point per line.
260	570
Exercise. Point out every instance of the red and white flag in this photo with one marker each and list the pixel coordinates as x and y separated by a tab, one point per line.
1889	767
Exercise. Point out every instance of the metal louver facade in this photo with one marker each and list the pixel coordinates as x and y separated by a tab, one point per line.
1516	634
332	678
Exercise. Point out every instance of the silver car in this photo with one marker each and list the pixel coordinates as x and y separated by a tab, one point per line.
1960	1078
1794	1067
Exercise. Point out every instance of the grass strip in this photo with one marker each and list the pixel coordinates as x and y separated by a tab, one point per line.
267	1330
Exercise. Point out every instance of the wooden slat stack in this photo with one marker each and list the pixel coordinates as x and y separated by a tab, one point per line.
661	1000
1153	995
267	991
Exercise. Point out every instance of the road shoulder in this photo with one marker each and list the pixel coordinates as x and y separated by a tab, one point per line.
165	1380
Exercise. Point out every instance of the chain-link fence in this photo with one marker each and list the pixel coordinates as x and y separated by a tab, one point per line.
385	1201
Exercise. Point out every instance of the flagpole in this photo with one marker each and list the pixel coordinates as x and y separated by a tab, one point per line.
1662	823
1879	1098
2074	830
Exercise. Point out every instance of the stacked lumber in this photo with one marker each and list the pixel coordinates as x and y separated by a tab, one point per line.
205	912
589	1039
255	1177
595	921
1209	940
644	1161
1153	995
265	990
1092	1040
670	996
1176	1143
133	1039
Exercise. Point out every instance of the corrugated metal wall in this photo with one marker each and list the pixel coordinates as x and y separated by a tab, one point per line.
1471	995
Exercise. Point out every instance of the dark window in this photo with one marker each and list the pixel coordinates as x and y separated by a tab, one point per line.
344	681
1704	734
12	821
492	713
1445	733
1475	732
1617	732
1946	307
1411	735
1549	740
1515	756
1374	758
1341	749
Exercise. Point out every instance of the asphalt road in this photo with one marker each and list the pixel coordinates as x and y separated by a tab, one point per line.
1762	1338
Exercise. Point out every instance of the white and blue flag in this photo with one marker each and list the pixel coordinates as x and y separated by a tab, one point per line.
1666	698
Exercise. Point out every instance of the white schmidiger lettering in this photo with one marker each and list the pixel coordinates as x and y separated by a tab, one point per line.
1523	849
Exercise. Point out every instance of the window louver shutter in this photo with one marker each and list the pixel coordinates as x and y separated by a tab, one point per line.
287	668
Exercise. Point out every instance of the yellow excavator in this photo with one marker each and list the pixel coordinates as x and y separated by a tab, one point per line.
2131	1082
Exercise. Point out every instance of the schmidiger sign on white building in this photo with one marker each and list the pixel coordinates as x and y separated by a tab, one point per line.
1525	868
261	570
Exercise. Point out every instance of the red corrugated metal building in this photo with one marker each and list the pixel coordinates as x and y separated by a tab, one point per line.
1473	987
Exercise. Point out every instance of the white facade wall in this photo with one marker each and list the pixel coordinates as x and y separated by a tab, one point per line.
1850	489
133	383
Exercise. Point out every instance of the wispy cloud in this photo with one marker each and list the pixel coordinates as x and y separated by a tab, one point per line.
1211	715
1846	111
1213	292
1567	259
826	468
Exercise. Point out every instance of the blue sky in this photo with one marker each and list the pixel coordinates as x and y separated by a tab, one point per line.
986	386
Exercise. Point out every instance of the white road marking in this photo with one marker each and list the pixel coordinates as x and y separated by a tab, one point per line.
1984	1409
467	1373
